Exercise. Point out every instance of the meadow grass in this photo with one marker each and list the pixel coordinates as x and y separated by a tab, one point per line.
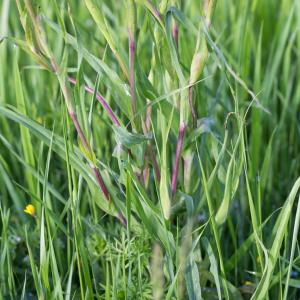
149	149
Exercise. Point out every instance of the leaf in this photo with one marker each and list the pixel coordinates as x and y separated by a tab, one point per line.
204	126
25	135
149	216
281	225
163	185
265	169
213	265
75	158
192	279
128	139
231	182
88	153
27	48
290	281
105	30
117	87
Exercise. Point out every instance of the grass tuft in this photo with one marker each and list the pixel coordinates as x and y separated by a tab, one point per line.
149	149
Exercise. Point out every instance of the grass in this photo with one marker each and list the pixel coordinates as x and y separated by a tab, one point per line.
157	143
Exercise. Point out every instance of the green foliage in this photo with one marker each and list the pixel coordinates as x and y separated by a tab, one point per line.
103	104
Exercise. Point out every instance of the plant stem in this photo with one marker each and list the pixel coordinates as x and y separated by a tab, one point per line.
181	132
146	128
131	73
154	163
175	33
154	10
64	87
93	166
80	133
131	19
193	110
101	101
100	181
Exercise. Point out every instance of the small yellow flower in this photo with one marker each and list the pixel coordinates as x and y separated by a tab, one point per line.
30	209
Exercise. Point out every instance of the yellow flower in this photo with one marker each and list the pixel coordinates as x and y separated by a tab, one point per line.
30	209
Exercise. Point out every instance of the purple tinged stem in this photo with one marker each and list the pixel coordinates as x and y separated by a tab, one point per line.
155	165
177	157
71	111
100	182
155	10
86	145
101	100
175	33
96	171
79	130
145	171
148	116
122	219
106	192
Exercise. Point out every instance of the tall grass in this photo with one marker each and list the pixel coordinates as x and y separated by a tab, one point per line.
158	144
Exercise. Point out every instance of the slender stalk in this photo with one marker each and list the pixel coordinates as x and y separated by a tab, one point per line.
154	10
84	141
100	181
80	133
132	46
131	73
154	163
181	132
99	18
197	65
145	170
294	242
101	101
214	227
146	129
132	49
63	82
150	152
193	110
200	54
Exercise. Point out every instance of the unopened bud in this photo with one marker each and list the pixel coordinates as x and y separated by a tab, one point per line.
208	9
198	63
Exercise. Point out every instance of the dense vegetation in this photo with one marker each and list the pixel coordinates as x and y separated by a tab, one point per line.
149	149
